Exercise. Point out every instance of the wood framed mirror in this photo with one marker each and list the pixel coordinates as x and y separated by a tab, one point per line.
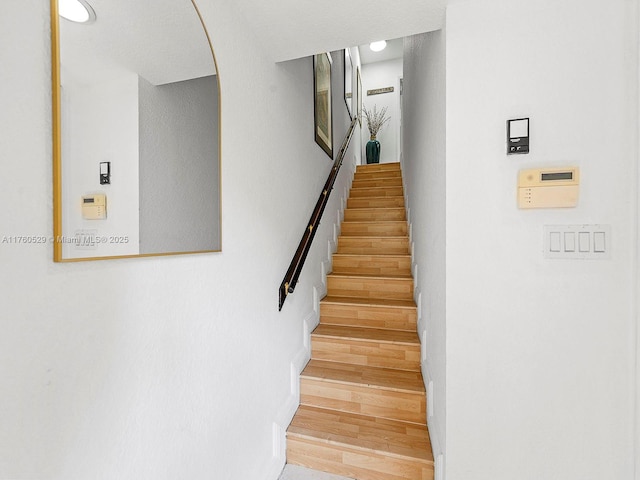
136	131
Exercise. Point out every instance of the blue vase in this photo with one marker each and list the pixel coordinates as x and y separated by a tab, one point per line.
373	151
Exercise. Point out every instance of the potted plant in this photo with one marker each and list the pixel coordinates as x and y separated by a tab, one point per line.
375	120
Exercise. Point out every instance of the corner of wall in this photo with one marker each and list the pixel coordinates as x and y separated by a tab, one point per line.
424	124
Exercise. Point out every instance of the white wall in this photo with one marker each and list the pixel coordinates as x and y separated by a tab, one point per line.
424	172
93	117
381	75
539	353
165	367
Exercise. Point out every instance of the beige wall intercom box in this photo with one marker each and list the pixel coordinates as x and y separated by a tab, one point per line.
94	207
548	187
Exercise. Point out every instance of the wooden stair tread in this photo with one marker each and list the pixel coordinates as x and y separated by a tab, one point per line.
379	190
376	222
393	175
395	285
384	237
394	228
392	437
351	227
385	175
373	255
373	245
381	175
360	276
382	197
379	171
388	168
371	264
355	185
366	313
369	173
368	259
380	335
378	166
369	302
355	203
377	181
385	214
379	209
375	377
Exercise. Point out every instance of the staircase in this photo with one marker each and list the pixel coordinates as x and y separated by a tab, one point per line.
362	407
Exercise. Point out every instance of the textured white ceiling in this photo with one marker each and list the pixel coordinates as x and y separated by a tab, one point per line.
161	40
291	29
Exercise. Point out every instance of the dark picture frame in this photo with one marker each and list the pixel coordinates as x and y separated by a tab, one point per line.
359	96
348	82
322	104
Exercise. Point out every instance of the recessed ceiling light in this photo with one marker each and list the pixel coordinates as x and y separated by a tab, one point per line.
78	11
378	46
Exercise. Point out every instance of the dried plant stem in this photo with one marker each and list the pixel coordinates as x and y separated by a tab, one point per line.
375	119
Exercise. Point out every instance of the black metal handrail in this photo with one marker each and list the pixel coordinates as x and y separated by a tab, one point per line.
290	280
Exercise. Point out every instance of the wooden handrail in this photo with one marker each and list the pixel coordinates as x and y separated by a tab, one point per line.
290	280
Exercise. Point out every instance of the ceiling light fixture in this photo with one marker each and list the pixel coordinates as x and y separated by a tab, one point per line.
378	46
78	11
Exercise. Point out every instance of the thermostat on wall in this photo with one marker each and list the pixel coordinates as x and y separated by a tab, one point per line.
548	187
94	207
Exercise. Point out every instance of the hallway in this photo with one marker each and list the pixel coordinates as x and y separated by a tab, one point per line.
181	367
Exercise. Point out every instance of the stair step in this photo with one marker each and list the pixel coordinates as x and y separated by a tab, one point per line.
372	264
365	175
372	347
375	202
377	192
381	392
369	228
400	381
373	312
378	167
399	287
375	214
358	446
373	245
377	182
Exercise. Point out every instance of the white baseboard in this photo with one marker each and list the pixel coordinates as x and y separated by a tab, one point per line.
288	409
419	322
439	467
304	354
434	433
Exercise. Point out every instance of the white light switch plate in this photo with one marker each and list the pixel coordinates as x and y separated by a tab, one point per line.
583	242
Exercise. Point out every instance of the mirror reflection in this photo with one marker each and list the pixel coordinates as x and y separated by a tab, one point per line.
137	163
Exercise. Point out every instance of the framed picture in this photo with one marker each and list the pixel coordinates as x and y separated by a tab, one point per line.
322	111
359	97
348	82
